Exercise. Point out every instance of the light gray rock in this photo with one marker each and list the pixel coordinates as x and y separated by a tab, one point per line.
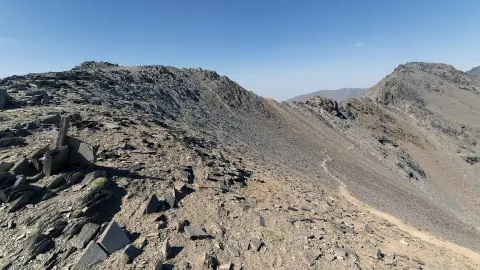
196	233
92	254
309	257
255	244
166	249
81	153
113	238
86	234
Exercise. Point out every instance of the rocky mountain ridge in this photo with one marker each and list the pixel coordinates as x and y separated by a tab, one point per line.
255	180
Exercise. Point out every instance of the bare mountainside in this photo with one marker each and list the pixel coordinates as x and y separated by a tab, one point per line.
338	95
157	167
474	71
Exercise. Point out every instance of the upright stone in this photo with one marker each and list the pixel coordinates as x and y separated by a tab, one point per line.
61	136
92	254
113	238
166	249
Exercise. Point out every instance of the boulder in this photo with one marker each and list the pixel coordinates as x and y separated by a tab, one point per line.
6	102
196	233
19	203
21	167
255	244
92	254
55	160
152	205
11	141
86	234
81	153
113	238
130	253
5	166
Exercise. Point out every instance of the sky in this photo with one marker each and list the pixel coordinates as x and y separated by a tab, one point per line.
277	49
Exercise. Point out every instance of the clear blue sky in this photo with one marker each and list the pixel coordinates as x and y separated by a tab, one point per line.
275	48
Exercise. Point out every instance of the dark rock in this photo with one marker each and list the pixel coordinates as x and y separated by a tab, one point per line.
19	203
130	253
37	156
21	167
298	219
31	126
19	183
159	265
92	254
6	134
52	120
5	265
55	160
261	221
39	243
11	141
152	205
113	238
255	244
6	102
22	133
86	234
196	233
5	166
210	262
379	255
181	225
81	153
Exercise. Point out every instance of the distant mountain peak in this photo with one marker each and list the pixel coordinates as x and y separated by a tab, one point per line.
338	95
474	71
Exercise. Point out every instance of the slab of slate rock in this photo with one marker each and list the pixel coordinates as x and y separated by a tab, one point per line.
86	234
81	153
113	238
196	233
255	244
55	160
92	254
152	205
